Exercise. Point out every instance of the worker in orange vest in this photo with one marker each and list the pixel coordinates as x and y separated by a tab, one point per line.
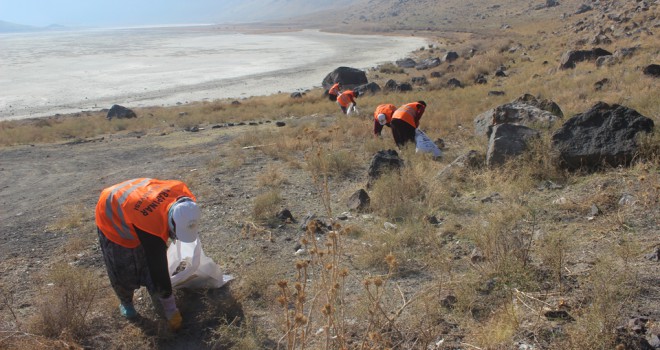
334	91
405	122
383	117
135	219
346	98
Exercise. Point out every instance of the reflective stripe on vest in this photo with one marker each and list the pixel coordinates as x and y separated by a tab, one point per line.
406	113
124	231
344	100
141	203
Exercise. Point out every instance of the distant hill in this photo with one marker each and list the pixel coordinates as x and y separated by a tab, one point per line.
9	27
241	11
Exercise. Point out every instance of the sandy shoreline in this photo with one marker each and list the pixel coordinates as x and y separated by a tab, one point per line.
96	80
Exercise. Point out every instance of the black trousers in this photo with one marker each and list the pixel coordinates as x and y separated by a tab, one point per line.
402	132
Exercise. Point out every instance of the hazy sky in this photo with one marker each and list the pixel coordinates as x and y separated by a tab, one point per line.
111	12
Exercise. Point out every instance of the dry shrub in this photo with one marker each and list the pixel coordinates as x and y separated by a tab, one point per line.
256	283
237	335
610	287
331	163
390	68
265	206
398	194
553	249
498	331
505	240
271	177
73	217
70	295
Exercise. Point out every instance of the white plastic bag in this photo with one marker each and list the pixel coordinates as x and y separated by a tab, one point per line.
352	109
200	271
425	144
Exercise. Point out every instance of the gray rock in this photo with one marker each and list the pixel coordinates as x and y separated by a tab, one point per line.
518	113
428	63
595	211
506	141
604	135
655	255
297	94
606	61
359	201
470	160
544	104
626	199
583	8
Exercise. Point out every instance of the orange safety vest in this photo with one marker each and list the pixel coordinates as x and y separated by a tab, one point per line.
143	203
345	98
387	109
409	113
334	90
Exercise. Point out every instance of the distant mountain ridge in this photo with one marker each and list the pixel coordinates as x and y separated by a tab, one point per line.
9	27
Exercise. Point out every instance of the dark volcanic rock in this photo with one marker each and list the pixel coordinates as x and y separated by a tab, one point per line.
652	70
604	135
570	58
348	77
120	112
382	162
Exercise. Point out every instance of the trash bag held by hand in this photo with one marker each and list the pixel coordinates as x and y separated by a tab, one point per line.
425	144
199	271
352	109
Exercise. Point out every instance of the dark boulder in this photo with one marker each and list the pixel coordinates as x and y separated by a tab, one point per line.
652	70
420	80
348	77
120	112
406	63
436	74
297	94
480	79
428	63
455	83
570	58
450	56
393	86
496	93
551	3
604	135
583	8
506	141
371	88
382	162
467	161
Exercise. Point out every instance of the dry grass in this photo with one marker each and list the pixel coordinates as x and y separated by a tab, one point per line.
69	296
366	286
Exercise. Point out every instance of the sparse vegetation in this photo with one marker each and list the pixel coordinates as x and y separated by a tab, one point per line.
473	260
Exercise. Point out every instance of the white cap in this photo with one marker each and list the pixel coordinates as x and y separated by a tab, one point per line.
382	119
185	214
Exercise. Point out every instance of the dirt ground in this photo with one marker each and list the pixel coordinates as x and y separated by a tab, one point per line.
39	184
